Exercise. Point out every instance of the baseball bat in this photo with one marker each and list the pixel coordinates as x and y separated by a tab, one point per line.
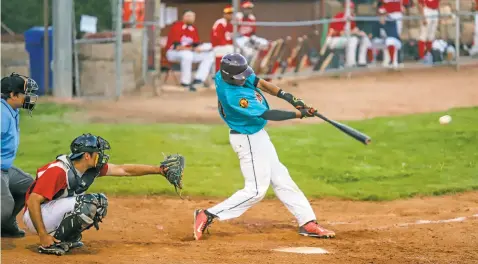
347	130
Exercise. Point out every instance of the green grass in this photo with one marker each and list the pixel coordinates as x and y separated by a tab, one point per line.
410	155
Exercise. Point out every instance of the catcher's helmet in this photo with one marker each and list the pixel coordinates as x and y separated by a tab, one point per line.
90	143
234	69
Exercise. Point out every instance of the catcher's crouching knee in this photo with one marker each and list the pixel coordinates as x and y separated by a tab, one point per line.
92	208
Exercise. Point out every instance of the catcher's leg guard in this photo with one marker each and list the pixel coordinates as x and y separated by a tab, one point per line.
89	210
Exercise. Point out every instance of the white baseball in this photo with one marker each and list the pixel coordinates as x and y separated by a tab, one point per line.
445	119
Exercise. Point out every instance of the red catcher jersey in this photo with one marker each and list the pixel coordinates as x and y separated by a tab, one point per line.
246	30
476	5
183	34
51	181
392	5
432	4
340	26
221	33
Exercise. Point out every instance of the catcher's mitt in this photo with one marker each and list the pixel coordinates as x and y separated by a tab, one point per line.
173	168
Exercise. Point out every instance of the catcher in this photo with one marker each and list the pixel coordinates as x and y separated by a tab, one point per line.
57	208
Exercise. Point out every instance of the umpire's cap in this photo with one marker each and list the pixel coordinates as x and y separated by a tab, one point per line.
234	69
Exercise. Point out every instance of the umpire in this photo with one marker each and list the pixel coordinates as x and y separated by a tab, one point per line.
18	91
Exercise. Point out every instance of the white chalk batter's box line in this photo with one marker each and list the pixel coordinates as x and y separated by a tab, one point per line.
418	222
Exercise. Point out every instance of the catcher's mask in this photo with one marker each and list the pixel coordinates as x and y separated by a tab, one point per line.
234	69
90	143
26	86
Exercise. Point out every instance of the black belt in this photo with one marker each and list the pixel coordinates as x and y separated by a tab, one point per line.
232	131
6	171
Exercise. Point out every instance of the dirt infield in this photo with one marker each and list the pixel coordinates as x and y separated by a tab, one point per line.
159	229
359	97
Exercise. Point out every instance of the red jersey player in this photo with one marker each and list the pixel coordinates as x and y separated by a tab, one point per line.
337	39
394	9
57	208
221	35
247	16
429	9
248	41
183	46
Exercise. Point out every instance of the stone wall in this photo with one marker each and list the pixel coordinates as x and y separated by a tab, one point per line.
14	58
96	62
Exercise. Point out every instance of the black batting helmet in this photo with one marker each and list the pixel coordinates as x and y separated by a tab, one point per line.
90	143
234	69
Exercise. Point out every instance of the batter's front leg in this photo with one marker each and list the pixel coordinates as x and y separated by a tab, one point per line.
290	195
294	199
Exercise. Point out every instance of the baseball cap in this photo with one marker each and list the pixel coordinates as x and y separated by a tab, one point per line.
247	4
228	9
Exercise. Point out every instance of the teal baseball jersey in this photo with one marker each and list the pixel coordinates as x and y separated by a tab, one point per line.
241	106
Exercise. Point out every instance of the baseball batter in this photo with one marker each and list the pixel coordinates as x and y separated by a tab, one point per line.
429	9
243	107
338	40
57	207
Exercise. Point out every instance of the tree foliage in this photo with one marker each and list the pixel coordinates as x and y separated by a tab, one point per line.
20	15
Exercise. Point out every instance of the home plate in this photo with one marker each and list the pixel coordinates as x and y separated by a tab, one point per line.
303	250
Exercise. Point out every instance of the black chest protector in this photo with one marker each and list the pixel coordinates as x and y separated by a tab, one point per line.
78	184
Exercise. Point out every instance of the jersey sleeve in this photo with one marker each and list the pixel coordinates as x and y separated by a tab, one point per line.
50	182
246	103
252	80
104	170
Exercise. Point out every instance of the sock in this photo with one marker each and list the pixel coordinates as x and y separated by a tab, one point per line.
370	55
391	51
429	46
421	49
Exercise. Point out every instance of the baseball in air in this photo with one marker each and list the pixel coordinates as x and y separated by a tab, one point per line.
445	119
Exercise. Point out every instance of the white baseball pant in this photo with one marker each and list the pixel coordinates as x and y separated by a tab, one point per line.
250	45
428	31
442	46
52	213
382	44
186	58
261	167
397	16
350	48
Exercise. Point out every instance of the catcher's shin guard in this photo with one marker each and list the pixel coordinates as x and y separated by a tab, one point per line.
89	210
